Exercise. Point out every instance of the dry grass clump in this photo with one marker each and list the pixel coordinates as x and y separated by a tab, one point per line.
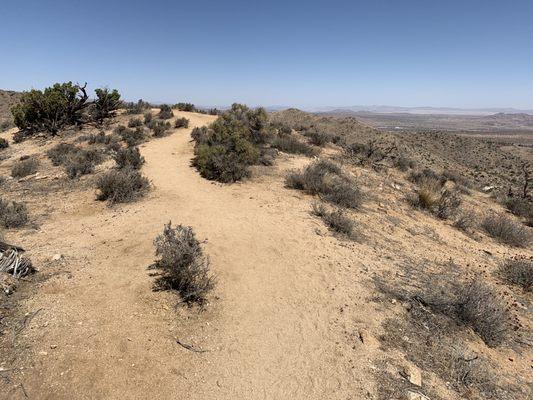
290	144
404	163
521	207
122	185
181	123
25	167
4	144
129	158
519	272
59	153
506	230
336	220
465	221
433	197
185	267
165	112
13	214
326	179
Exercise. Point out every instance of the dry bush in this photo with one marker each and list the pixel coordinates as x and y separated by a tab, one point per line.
160	128
25	167
129	158
490	316
420	177
165	112
465	221
134	122
148	118
521	207
326	179
336	220
121	186
290	144
403	163
181	123
185	267
59	153
132	137
317	138
82	162
506	230
13	214
99	138
518	271
4	144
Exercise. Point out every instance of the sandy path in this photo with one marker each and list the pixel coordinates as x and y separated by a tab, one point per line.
273	330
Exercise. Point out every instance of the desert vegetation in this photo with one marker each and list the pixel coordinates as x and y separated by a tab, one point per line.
165	112
121	185
185	107
181	123
129	158
25	167
184	266
12	214
518	271
506	230
337	220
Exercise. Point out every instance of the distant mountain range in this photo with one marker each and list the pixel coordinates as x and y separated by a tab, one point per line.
411	110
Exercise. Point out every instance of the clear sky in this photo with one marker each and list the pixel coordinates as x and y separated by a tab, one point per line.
460	53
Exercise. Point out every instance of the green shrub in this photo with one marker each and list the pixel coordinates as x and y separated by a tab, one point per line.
59	153
106	104
122	185
13	214
25	167
129	158
181	123
148	117
82	162
4	144
317	138
52	109
99	138
185	107
136	108
132	137
290	144
326	179
506	230
183	263
135	122
165	112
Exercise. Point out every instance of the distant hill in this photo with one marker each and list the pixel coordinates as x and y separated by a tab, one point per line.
422	110
8	99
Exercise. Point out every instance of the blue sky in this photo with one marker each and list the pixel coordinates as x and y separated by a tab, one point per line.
301	53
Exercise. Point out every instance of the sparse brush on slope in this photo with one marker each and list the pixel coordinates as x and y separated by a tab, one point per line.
326	179
25	167
160	128
135	122
518	271
185	267
433	197
132	137
506	230
129	158
290	144
75	160
337	220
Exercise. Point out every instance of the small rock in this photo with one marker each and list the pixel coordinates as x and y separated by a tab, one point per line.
367	339
413	375
43	353
53	346
416	396
57	257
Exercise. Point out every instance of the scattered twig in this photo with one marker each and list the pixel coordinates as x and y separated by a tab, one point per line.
190	348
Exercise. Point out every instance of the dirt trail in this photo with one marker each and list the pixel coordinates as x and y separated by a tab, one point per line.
274	330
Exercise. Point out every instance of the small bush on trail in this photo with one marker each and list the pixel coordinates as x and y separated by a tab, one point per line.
506	230
290	144
336	220
326	179
13	214
122	185
519	272
160	128
129	158
25	167
185	267
132	137
186	107
181	123
165	112
4	144
135	122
